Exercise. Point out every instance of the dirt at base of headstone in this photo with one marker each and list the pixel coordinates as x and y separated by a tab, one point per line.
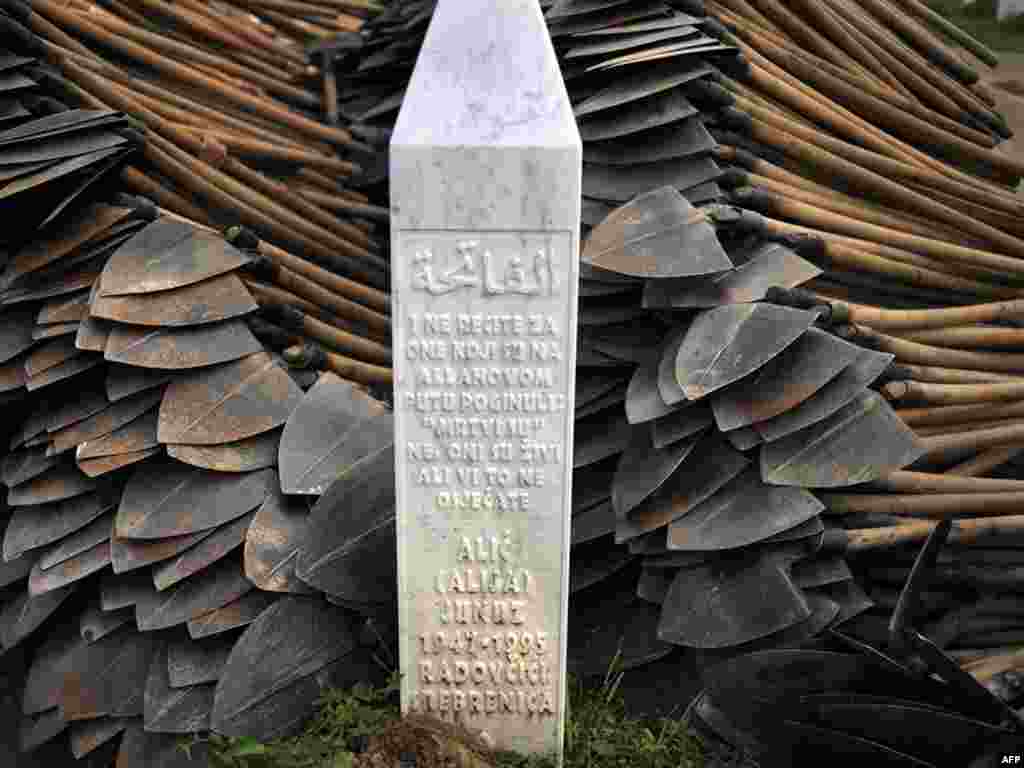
434	743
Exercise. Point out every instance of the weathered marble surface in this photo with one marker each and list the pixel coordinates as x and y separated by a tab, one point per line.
485	193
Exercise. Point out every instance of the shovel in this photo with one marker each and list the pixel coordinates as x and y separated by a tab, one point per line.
174	710
197	346
217	298
191	662
247	455
238	613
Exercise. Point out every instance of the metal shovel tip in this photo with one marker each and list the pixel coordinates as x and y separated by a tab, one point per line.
87	736
236	614
16	326
209	550
657	235
211	588
595	562
22	616
562	9
112	417
228	402
274	543
620	184
174	710
193	662
632	640
91	400
64	309
212	300
182	348
252	453
36	730
137	435
727	343
77	543
682	138
660	108
333	428
126	380
166	498
862	441
28	528
95	623
12	374
643	469
130	554
70	570
78	364
166	255
599	436
724	521
310	632
643	398
613	399
22	465
790	378
65	481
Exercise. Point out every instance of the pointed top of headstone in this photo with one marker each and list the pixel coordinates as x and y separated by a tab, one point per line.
486	75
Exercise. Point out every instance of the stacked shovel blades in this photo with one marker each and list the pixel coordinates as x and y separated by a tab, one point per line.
146	539
697	440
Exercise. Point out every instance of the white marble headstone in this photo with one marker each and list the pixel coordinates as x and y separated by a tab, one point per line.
485	201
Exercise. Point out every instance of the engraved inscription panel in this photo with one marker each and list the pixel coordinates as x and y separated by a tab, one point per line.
484	339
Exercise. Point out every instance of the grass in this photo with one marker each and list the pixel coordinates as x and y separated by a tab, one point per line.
362	728
979	20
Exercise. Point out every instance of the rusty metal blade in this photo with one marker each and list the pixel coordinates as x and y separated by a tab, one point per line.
77	543
228	403
736	599
95	623
859	443
353	553
126	380
620	183
592	385
49	354
71	145
259	452
592	523
237	613
93	334
110	678
682	423
332	429
62	171
37	526
744	438
662	108
174	710
16	332
839	392
167	498
207	590
91	400
712	464
36	730
630	638
820	572
71	570
140	749
181	348
602	19
274	542
22	465
637	341
64	481
631	88
724	521
64	309
129	554
790	378
78	364
602	435
563	9
54	331
208	551
165	255
55	657
12	374
669	389
114	416
727	343
23	615
193	662
294	638
643	469
82	226
682	138
137	435
656	235
643	398
218	298
769	264
117	591
89	735
104	465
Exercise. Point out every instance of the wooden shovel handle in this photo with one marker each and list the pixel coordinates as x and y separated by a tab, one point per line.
926	14
345	367
968	531
986	460
940	446
924	482
960	414
953	394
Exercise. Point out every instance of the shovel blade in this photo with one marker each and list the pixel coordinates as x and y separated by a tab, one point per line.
206	591
274	543
252	453
174	710
859	443
181	348
213	300
656	235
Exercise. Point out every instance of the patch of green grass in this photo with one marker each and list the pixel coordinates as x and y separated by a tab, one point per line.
979	20
599	734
